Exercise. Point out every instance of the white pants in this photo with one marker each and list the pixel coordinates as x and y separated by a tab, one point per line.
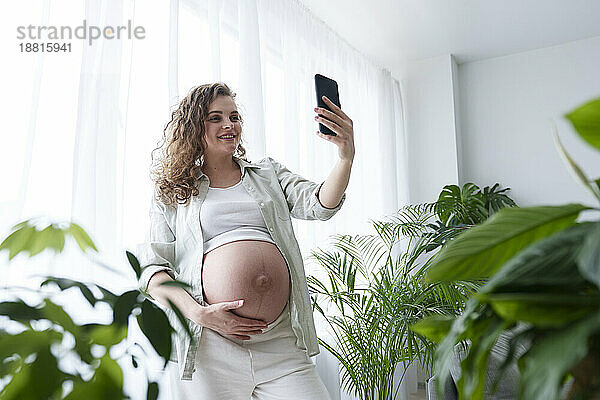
269	366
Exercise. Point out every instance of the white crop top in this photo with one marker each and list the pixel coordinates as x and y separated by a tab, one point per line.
230	214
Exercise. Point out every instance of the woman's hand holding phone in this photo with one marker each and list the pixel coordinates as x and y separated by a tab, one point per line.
340	123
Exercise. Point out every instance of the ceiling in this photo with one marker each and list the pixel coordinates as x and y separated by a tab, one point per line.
392	32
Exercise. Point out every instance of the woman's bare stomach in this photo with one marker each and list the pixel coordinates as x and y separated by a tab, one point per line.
252	270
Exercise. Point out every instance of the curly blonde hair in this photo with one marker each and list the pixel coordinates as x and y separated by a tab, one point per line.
178	166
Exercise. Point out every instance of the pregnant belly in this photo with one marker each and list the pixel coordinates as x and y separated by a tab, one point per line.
252	270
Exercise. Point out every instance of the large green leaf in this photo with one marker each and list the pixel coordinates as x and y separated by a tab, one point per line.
152	391
107	335
588	260
540	285
586	121
433	327
546	266
155	325
22	312
65	283
106	383
543	310
39	379
81	237
550	358
56	314
135	264
26	237
482	250
124	304
181	318
575	169
48	237
19	311
27	342
18	240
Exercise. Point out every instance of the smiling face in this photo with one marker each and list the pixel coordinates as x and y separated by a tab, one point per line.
223	120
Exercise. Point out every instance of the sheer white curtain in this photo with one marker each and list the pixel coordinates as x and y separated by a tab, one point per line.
83	124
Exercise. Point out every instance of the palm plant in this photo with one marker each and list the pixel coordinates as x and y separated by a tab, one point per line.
379	295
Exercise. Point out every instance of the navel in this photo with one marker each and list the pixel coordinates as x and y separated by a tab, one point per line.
263	282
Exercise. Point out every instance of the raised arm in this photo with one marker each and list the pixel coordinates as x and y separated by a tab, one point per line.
342	125
336	183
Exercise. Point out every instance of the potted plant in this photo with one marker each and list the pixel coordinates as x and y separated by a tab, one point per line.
30	355
543	290
377	295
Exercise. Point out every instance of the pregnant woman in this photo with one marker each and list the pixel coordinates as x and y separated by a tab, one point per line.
222	224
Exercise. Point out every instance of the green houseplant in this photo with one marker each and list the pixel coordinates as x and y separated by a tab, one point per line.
378	295
543	268
30	355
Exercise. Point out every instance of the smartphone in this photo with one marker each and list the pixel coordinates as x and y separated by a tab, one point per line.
326	87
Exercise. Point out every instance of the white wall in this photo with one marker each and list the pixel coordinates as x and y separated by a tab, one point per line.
428	97
506	104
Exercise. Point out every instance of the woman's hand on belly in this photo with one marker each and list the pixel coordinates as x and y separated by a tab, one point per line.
218	317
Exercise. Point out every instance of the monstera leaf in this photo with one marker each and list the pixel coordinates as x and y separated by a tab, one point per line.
496	199
456	206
